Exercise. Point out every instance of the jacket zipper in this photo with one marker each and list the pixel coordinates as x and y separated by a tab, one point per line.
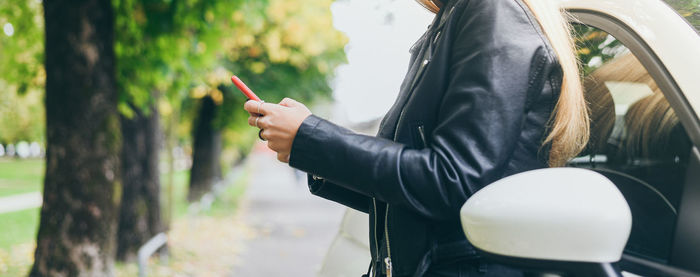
403	110
426	61
421	132
376	242
387	260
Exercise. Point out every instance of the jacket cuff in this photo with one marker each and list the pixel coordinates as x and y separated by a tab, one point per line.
302	155
324	149
321	188
316	184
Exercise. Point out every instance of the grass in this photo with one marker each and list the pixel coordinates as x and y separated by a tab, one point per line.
202	244
17	241
229	199
191	235
180	181
20	176
18	227
225	203
17	261
23	176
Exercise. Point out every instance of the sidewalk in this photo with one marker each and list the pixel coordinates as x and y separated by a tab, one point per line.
20	202
294	228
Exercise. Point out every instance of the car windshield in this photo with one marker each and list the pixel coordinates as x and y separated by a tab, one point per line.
690	9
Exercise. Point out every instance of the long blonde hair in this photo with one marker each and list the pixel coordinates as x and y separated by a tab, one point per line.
569	124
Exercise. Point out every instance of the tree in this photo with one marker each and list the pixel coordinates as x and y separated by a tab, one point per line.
206	169
81	186
140	211
165	52
161	46
280	48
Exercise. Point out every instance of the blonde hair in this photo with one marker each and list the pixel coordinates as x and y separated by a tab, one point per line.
430	5
625	68
649	122
569	123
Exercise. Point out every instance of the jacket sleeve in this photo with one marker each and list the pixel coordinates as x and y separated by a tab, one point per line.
481	117
339	194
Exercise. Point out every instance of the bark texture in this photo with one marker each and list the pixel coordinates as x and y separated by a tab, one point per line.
140	212
206	166
81	186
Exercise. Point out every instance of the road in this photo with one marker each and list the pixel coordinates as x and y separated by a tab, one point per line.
293	228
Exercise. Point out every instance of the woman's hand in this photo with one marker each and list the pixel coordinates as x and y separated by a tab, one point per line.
278	123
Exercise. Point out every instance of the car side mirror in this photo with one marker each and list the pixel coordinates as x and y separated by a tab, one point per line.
560	220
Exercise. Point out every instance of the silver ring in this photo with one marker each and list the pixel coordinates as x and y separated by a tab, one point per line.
261	102
256	122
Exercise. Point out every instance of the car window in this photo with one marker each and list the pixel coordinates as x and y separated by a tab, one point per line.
637	141
689	9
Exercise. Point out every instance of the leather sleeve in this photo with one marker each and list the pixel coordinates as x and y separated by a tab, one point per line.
336	193
481	117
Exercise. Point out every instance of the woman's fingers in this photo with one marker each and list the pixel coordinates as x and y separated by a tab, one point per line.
259	122
283	157
251	106
278	123
275	141
255	107
251	120
289	102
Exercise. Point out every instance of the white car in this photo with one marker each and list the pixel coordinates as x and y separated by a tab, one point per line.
642	78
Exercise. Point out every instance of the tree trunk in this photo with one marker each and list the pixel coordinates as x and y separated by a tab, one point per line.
140	216
206	168
81	186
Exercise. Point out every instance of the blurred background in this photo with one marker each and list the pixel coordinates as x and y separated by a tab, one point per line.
146	135
124	149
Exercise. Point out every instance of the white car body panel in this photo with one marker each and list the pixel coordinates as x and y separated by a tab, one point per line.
348	254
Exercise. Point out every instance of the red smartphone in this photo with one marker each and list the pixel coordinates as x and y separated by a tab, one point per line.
244	89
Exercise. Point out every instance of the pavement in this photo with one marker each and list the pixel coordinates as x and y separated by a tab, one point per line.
293	229
20	202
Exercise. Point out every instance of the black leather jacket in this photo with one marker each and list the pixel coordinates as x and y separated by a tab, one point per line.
473	108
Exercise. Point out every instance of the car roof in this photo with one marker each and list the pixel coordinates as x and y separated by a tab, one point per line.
672	39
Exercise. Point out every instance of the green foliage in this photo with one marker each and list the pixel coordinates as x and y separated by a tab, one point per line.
285	48
170	53
22	49
595	47
289	50
163	46
280	48
22	74
21	115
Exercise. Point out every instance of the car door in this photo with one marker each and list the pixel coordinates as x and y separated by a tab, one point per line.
644	136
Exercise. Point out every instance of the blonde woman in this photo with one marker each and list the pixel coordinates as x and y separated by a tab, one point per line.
492	90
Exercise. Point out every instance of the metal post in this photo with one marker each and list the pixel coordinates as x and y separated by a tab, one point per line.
148	249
